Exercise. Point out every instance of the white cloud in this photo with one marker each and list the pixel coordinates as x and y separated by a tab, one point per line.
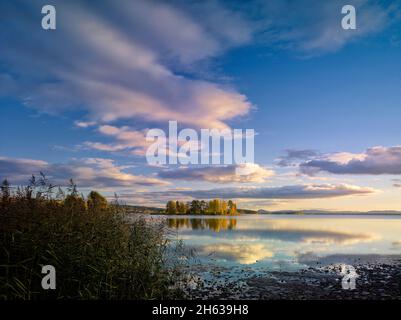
241	173
312	191
311	29
242	253
125	139
118	62
87	173
374	161
291	192
84	124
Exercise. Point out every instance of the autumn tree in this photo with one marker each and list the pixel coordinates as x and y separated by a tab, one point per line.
74	203
96	201
171	207
215	206
223	207
181	207
232	207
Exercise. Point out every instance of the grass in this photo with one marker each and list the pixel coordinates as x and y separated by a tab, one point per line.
97	250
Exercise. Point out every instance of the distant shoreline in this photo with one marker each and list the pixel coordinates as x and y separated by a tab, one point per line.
335	213
245	212
277	214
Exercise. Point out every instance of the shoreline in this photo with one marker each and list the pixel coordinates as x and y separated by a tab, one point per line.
375	281
277	214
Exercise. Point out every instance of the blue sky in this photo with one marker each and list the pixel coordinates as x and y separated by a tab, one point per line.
325	102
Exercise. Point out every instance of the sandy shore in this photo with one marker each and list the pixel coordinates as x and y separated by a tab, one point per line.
379	279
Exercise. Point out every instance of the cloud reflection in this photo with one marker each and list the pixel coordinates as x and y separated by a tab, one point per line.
289	235
241	253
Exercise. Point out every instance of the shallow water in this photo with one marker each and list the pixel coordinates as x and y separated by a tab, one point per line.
286	242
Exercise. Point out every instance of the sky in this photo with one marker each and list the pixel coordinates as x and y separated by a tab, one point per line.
324	102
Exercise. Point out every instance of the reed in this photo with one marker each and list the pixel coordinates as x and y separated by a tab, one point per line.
99	252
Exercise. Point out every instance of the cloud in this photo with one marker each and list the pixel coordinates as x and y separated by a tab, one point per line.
125	139
374	161
124	64
134	142
288	233
312	191
127	66
292	155
311	29
397	183
241	253
84	124
242	173
87	173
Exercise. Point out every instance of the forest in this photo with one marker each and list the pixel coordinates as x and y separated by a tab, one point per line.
201	207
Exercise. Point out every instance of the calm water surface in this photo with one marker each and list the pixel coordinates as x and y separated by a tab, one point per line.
285	242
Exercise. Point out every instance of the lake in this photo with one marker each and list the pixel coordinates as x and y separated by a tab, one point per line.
286	242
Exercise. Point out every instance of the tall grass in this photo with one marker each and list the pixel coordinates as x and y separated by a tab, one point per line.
98	253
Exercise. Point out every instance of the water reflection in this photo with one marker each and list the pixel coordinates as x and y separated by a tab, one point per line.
214	224
291	241
308	236
241	253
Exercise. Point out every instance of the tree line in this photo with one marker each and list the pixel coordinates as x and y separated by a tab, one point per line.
212	207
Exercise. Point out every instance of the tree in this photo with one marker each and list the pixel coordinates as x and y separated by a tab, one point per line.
195	207
181	207
232	207
214	206
171	207
223	207
203	206
74	204
96	201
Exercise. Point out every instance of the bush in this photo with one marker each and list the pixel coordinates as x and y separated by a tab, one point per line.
98	253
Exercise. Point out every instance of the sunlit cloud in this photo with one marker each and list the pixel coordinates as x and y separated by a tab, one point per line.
87	173
374	161
313	191
220	174
247	253
84	124
293	233
125	139
139	81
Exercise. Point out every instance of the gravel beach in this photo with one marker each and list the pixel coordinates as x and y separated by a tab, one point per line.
376	280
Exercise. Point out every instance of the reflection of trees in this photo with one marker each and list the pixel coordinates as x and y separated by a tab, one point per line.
178	223
215	224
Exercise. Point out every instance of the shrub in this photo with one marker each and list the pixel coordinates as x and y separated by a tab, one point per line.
97	251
